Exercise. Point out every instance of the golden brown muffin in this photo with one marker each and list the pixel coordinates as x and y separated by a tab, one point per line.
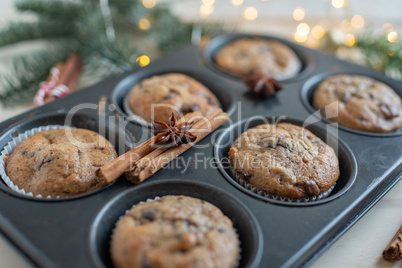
52	163
169	93
284	160
260	56
176	232
359	102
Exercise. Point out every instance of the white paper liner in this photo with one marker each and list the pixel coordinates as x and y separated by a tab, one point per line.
237	263
9	148
131	115
253	189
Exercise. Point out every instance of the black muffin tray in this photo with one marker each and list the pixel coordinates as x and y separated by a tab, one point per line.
75	231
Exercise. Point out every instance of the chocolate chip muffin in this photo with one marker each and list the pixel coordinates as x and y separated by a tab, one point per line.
260	56
53	163
177	232
359	102
157	97
284	160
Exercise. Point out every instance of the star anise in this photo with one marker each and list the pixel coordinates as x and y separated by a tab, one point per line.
172	134
264	86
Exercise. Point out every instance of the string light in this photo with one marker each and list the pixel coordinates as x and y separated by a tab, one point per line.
250	13
149	3
338	3
392	36
236	2
144	24
357	21
350	40
318	32
143	60
299	38
303	29
206	10
299	13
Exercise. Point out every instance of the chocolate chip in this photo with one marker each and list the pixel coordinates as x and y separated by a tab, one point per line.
284	145
149	214
48	158
267	144
246	176
190	109
145	262
387	111
221	230
79	153
170	96
311	188
24	152
32	155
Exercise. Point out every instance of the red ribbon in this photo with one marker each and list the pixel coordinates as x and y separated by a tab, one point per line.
50	88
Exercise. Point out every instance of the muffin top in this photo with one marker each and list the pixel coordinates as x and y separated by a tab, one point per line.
284	160
157	97
59	162
260	56
177	232
359	102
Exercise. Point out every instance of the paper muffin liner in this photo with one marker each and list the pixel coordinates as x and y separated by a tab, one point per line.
131	115
9	148
254	189
237	263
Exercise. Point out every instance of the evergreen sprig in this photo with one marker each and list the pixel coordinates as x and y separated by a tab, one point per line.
42	29
381	54
54	9
28	71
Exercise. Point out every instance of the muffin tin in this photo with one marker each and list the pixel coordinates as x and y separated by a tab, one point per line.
75	231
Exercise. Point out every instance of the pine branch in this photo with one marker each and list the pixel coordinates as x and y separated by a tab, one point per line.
104	58
23	31
28	71
381	54
54	9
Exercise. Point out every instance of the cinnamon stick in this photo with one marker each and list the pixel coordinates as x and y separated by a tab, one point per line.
158	151
393	251
150	164
114	169
68	75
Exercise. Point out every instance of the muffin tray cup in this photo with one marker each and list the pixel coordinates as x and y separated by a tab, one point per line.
74	231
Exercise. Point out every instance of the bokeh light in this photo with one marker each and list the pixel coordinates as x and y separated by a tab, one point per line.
338	3
303	29
299	38
149	3
236	2
206	10
299	13
143	60
388	27
357	21
350	40
250	13
392	36
208	2
318	32
144	24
